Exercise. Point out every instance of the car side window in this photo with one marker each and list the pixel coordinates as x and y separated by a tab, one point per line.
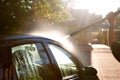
31	62
64	61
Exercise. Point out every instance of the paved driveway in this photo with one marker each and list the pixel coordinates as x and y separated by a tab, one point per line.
107	66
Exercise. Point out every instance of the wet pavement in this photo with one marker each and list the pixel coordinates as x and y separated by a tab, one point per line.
107	66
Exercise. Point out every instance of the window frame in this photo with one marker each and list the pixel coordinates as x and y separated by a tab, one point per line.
35	41
12	43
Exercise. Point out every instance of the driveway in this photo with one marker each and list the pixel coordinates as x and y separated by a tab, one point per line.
102	59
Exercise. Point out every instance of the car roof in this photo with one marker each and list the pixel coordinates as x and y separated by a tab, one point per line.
12	37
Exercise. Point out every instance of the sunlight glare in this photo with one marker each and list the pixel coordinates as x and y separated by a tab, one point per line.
55	35
97	6
58	55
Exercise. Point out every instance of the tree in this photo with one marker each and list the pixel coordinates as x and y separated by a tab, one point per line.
17	14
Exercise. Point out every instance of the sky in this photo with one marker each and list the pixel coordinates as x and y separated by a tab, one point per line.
101	7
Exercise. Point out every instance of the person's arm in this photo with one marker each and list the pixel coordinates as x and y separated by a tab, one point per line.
111	34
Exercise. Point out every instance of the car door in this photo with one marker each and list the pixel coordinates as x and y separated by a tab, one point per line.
30	61
69	69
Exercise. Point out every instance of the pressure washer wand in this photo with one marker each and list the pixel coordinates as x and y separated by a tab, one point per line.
92	25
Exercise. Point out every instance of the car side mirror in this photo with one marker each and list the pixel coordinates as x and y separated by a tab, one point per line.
115	47
90	71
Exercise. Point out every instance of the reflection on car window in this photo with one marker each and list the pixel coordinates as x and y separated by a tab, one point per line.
29	64
63	58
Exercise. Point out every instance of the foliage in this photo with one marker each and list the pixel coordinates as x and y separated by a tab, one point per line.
54	10
23	13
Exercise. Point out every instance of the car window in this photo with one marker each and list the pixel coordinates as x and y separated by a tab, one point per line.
64	61
31	62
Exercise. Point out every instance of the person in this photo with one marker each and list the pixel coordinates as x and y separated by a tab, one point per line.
114	45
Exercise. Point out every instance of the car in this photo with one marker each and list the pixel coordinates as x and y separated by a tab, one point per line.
28	57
